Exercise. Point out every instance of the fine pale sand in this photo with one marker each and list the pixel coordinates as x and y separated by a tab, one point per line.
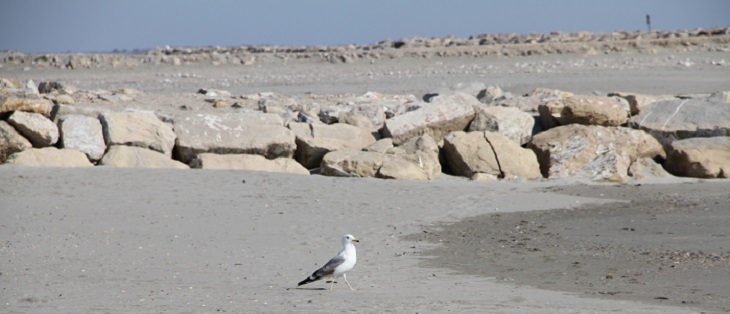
106	240
118	240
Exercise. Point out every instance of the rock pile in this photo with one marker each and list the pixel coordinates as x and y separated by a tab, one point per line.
475	46
488	135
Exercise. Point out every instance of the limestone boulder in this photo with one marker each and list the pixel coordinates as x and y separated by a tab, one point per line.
699	157
24	99
722	96
315	140
351	163
38	129
233	133
63	100
437	119
381	146
672	120
47	87
50	157
468	153
523	103
400	169
248	162
513	123
646	168
358	120
489	94
60	110
417	159
11	141
124	156
530	101
587	110
138	128
637	102
354	163
594	152
422	151
84	134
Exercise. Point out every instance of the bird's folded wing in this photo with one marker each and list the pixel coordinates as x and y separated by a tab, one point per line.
329	268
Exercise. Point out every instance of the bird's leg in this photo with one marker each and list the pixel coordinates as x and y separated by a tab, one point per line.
333	282
348	284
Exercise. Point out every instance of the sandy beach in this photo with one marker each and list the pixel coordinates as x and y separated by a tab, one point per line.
107	240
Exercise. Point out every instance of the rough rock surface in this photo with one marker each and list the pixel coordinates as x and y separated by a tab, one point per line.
315	140
138	157
468	153
11	141
699	157
437	119
588	110
35	127
510	122
645	168
637	102
381	146
672	120
138	128
50	157
594	152
236	133
82	133
248	162
417	160
17	97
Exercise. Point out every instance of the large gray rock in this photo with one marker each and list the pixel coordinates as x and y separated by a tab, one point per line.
381	146
672	120
594	152
316	140
60	110
248	162
637	102
50	157
723	96
17	97
699	157
588	110
138	128
417	159
355	163
513	123
530	101
11	141
437	119
489	94
469	153
422	151
137	157
38	129
234	133
84	134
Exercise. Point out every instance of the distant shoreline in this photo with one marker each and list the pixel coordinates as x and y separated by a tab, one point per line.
658	37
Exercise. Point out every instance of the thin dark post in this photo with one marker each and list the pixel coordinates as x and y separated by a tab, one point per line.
648	22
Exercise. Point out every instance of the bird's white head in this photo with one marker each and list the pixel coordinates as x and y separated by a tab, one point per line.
348	239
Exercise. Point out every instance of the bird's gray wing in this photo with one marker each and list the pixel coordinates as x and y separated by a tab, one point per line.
329	268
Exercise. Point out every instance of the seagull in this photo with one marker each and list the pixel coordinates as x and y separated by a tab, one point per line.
338	265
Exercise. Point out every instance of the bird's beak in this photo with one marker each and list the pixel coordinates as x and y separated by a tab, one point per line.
356	240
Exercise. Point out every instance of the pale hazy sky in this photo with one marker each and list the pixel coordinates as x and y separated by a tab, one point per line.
35	26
